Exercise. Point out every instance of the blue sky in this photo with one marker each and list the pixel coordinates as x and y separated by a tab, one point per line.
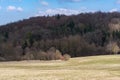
14	10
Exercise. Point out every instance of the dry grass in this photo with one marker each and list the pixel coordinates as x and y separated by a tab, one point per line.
84	68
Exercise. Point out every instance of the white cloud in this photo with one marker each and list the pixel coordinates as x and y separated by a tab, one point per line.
113	10
57	11
61	11
13	8
44	3
20	9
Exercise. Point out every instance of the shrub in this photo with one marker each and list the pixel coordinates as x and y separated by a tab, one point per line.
112	47
41	55
58	55
66	57
28	55
2	59
53	54
9	52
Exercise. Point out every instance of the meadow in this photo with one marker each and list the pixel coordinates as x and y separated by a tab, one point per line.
81	68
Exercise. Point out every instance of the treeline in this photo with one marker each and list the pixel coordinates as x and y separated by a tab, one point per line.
85	34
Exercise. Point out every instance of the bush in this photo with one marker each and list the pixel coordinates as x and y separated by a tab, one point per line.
28	55
113	48
9	52
41	55
66	57
53	54
2	59
58	55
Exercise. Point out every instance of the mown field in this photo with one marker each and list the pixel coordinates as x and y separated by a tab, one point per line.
83	68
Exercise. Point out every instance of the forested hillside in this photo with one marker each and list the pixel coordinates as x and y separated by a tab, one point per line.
48	37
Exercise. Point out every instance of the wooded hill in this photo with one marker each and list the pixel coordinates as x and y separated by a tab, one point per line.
44	37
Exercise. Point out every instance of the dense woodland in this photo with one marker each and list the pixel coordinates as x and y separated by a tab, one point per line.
50	37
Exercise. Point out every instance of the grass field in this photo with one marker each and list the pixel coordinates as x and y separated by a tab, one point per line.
83	68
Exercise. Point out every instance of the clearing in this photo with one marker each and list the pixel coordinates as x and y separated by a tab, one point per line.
82	68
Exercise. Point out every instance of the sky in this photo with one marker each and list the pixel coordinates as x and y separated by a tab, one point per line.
14	10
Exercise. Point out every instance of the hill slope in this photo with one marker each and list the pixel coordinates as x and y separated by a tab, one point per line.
85	34
84	68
